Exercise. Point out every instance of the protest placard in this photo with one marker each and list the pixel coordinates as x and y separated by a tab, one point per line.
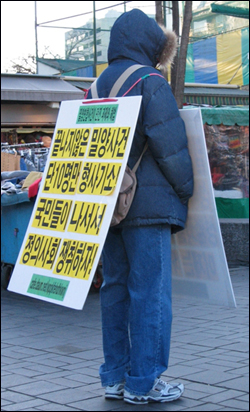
199	263
76	200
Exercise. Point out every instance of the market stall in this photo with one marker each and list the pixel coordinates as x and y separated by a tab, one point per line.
227	138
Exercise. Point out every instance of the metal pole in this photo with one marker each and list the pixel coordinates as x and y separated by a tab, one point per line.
164	14
36	40
124	6
94	46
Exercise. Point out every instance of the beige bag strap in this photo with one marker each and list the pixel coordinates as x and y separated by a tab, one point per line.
115	90
138	161
94	90
118	84
121	80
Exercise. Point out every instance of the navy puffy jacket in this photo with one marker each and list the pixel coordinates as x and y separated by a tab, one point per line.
165	176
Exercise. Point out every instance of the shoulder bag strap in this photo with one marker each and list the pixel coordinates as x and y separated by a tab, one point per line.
121	80
93	89
115	90
139	160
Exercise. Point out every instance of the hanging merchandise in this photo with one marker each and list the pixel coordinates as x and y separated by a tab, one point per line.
29	156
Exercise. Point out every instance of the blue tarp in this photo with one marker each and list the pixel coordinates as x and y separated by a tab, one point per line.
205	61
14	198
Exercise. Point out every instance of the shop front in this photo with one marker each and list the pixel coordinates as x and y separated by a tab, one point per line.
227	139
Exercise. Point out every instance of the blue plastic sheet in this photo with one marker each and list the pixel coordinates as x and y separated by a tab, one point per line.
205	61
14	198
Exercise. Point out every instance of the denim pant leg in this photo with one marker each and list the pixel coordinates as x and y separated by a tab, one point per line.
136	306
150	316
115	310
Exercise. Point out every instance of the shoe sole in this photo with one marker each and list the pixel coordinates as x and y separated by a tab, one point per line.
148	399
113	396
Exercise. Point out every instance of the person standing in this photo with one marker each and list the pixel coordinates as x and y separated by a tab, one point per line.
136	301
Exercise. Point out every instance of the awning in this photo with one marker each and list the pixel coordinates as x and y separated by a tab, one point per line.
216	96
27	130
226	115
27	115
83	85
20	87
241	12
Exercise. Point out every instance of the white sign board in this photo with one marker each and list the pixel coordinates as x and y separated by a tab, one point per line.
76	200
199	263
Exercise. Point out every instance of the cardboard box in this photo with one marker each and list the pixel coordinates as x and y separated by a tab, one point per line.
10	162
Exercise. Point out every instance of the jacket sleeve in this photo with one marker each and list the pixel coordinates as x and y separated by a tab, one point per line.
167	140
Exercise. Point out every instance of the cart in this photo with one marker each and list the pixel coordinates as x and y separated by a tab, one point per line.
16	210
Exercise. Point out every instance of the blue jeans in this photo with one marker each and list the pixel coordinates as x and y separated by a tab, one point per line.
136	306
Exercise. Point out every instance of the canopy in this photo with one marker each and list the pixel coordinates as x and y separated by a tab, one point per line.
22	87
241	12
227	115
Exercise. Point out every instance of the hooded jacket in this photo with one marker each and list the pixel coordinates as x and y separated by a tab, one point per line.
164	176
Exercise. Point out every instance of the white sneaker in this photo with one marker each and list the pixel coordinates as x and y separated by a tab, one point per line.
114	391
161	392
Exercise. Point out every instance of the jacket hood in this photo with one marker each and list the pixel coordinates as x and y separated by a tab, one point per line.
138	37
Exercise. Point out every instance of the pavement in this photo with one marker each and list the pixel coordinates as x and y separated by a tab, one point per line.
51	355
